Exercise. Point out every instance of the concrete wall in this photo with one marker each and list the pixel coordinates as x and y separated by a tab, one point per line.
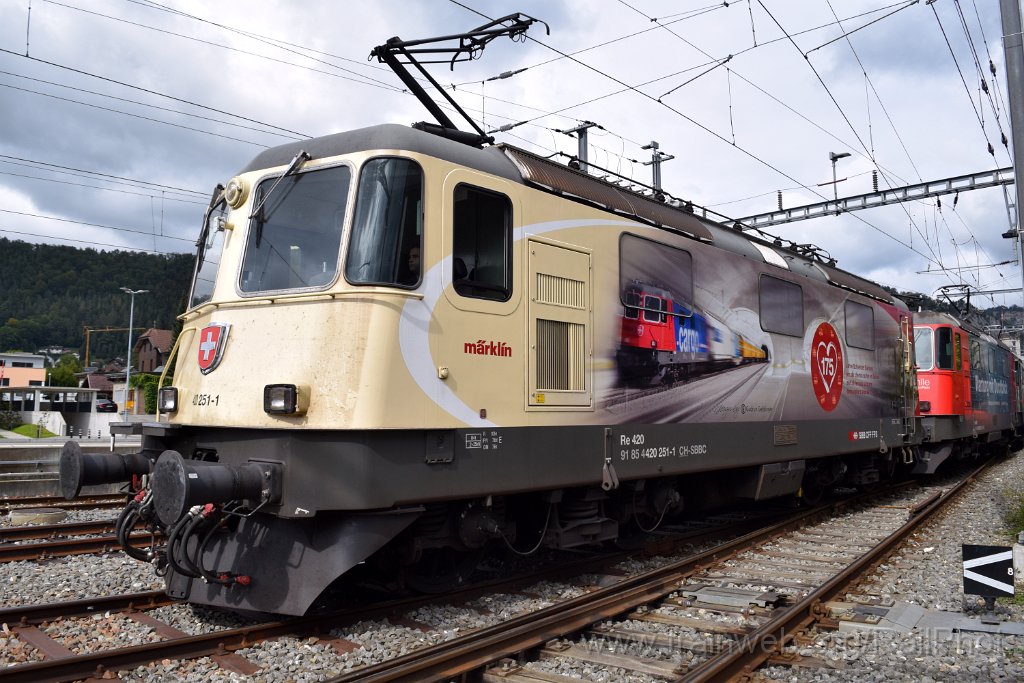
87	425
33	469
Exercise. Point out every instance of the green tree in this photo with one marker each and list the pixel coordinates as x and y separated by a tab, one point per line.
51	292
63	373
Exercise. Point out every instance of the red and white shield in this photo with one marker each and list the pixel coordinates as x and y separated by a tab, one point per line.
212	340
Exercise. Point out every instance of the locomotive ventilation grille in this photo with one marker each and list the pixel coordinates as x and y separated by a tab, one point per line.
561	352
561	291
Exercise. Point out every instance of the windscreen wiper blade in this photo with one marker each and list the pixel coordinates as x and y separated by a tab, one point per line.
299	159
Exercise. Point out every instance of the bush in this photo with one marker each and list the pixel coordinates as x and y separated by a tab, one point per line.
149	388
9	419
1014	511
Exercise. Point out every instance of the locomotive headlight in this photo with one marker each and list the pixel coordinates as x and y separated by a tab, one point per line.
236	192
168	400
925	406
285	399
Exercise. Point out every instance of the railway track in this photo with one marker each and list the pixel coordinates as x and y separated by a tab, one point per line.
645	597
725	611
83	502
64	547
59	665
48	541
35	532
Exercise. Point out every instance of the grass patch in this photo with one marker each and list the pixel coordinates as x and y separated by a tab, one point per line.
33	431
1014	515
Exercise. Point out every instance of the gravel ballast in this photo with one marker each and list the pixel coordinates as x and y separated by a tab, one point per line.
927	572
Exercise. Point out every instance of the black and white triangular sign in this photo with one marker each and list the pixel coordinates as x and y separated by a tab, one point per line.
988	570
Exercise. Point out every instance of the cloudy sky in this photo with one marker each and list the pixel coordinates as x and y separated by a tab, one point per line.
120	116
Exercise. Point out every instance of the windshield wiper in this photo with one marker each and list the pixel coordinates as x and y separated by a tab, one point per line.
257	213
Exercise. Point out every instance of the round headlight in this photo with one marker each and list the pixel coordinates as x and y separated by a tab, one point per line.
236	192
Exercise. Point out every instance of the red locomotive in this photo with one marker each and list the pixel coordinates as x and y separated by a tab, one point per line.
968	389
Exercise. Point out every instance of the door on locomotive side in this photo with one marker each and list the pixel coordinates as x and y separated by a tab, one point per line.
943	370
477	335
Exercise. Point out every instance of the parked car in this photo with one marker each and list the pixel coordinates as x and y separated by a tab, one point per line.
105	405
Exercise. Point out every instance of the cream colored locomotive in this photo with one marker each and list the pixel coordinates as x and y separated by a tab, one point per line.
401	350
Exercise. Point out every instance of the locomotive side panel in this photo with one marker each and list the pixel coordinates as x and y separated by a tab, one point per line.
990	386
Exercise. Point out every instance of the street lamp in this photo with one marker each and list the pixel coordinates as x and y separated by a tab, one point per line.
128	362
835	183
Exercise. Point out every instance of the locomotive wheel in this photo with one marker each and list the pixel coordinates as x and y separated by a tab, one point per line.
442	569
812	491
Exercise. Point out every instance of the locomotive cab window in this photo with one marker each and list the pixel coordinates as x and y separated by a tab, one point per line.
632	301
211	244
655	276
923	348
782	306
481	244
295	236
652	309
860	326
387	231
944	349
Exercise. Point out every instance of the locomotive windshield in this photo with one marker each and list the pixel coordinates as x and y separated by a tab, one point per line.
210	245
388	227
295	237
923	348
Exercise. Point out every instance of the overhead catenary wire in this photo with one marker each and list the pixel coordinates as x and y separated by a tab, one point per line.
870	83
901	4
302	50
705	128
491	113
104	189
653	99
91	243
977	114
91	225
355	77
150	91
983	81
136	116
87	173
152	106
935	256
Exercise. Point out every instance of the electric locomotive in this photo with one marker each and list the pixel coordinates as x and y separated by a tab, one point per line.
406	345
969	388
335	401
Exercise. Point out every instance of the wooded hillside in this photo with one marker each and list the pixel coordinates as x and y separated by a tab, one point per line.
49	293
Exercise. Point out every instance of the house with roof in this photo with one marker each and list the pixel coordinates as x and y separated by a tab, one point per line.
100	382
153	348
22	369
